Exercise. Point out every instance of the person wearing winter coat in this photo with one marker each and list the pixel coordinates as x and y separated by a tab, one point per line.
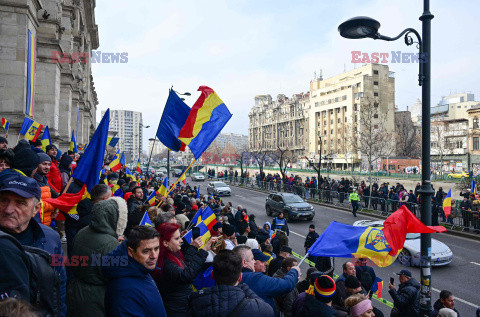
406	302
446	300
176	270
131	290
284	302
229	295
265	286
320	302
86	291
268	228
65	166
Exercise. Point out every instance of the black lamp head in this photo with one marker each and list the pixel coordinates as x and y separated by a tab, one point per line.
359	28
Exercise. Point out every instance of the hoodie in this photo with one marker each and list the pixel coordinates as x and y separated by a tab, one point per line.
131	290
270	226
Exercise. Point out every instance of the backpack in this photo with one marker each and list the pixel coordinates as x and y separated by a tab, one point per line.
45	283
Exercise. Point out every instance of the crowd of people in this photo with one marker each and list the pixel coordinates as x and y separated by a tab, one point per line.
114	266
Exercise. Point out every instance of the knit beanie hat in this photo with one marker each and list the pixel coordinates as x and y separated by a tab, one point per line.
49	147
228	229
43	157
324	288
26	161
3	140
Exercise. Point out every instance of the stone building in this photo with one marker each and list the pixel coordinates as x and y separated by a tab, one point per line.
449	145
280	123
336	104
453	107
64	30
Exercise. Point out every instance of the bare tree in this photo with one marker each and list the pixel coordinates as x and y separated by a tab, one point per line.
349	146
282	157
241	156
407	137
217	150
441	145
374	138
317	166
260	156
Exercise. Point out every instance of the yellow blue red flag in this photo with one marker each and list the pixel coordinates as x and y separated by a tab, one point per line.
474	186
206	119
204	233
31	129
377	287
345	241
5	124
163	190
146	220
206	216
46	139
73	143
139	169
130	174
447	204
115	164
151	199
112	141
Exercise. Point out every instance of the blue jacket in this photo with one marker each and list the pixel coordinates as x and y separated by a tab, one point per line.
267	287
47	239
131	290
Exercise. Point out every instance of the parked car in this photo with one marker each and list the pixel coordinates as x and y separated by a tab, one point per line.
198	177
293	206
177	172
410	254
163	170
219	189
460	175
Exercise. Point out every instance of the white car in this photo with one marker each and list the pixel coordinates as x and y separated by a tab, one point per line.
198	177
219	189
410	254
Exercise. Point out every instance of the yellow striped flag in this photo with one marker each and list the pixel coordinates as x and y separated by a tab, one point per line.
447	204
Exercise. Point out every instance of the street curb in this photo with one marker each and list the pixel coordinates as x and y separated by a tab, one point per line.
359	212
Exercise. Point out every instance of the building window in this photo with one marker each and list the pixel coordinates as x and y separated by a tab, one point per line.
316	104
354	107
375	126
476	143
331	121
323	102
344	97
358	85
375	94
375	116
375	72
324	122
475	123
375	83
338	120
336	99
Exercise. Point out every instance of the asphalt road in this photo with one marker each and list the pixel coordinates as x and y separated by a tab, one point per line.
461	277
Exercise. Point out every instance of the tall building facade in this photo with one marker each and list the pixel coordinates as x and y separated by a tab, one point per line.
280	123
335	109
453	107
129	127
62	86
237	141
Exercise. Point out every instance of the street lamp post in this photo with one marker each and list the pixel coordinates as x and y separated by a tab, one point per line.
364	27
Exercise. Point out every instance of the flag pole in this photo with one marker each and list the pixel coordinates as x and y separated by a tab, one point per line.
175	184
303	259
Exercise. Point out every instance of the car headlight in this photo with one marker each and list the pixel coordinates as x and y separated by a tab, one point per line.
294	208
448	251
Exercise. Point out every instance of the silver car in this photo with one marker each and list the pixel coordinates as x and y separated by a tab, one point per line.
198	177
219	189
410	254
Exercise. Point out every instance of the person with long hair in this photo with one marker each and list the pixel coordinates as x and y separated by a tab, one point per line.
359	306
176	270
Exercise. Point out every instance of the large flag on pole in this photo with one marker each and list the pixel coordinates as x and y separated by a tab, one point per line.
30	129
31	59
89	167
447	204
73	143
46	140
173	119
206	119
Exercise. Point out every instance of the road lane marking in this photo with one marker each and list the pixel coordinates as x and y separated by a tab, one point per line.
240	196
459	299
298	234
475	263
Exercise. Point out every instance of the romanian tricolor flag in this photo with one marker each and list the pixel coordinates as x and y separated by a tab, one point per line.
447	204
474	186
31	129
206	119
377	287
146	220
130	174
204	233
5	124
68	202
46	139
139	168
73	143
183	178
111	141
32	49
206	216
122	159
163	190
115	164
151	199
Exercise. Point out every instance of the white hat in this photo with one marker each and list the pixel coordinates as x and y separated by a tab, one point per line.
447	312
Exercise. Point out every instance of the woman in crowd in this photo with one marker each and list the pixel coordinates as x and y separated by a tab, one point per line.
359	306
176	270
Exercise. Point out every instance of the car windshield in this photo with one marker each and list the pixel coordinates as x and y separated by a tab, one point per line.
197	174
292	199
411	236
221	184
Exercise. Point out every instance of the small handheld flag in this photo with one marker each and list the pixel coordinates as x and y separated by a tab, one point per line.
46	139
377	287
115	164
31	129
122	159
447	204
5	124
73	143
112	141
139	169
183	178
164	188
130	174
146	220
474	186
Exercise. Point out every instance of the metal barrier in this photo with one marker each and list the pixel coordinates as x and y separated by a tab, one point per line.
381	300
464	220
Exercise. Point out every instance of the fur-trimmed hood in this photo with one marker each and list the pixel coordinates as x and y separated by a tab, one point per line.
110	216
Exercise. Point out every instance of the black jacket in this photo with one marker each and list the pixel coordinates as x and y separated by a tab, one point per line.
310	239
314	307
437	306
407	298
14	272
274	265
221	300
174	283
84	208
284	302
132	204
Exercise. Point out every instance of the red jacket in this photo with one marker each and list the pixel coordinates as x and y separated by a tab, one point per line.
55	177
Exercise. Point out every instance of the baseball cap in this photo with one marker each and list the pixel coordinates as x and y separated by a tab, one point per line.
405	272
259	256
23	186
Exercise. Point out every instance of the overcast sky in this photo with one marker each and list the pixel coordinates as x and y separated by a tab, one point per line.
243	48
